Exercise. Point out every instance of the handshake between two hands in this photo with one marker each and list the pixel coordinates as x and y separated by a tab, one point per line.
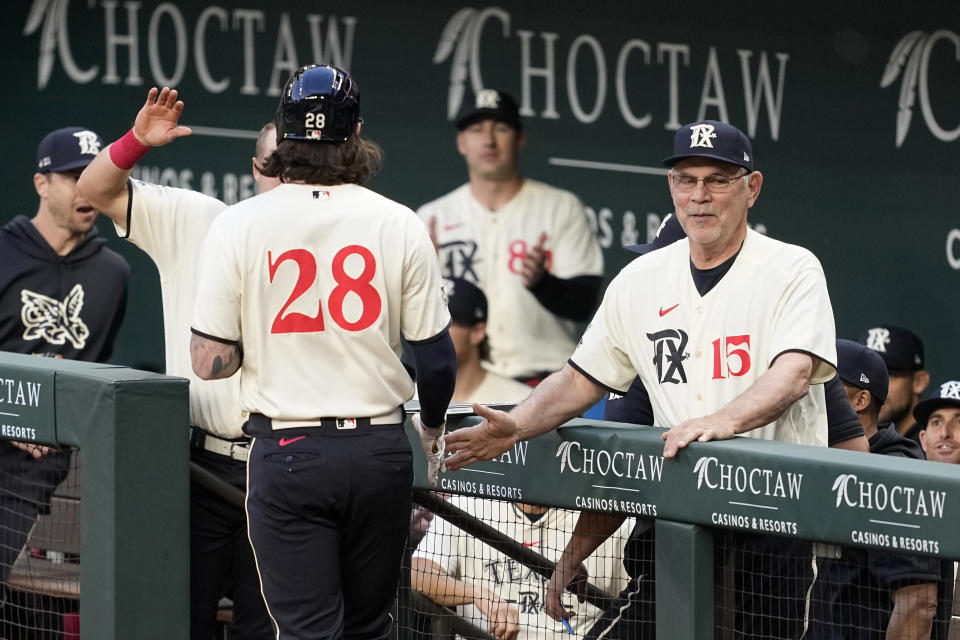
431	439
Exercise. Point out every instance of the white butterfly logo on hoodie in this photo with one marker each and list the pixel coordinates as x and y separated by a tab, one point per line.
54	321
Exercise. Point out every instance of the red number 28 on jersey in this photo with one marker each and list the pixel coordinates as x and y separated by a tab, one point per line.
307	274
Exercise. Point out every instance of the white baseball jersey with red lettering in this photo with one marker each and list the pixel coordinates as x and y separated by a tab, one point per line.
487	248
170	225
318	283
473	561
697	353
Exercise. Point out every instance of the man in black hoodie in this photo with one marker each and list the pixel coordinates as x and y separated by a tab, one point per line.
875	593
62	295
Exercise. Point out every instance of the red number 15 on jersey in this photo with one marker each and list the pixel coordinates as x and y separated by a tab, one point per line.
307	274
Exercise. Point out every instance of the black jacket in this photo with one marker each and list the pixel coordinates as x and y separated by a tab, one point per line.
65	306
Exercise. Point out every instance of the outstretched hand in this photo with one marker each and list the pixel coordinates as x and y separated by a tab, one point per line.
485	441
156	123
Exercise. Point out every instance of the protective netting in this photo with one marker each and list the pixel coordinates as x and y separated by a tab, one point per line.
471	575
39	545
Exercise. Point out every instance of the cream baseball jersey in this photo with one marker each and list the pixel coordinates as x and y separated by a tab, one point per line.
487	248
318	283
470	560
169	225
697	353
497	388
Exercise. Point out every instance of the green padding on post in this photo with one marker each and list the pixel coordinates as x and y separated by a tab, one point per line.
684	581
132	430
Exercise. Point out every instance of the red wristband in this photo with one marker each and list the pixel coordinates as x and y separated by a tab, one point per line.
127	151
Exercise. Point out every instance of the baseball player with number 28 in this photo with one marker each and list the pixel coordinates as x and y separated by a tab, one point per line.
295	285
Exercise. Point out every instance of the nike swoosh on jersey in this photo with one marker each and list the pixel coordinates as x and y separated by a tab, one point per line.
530	544
285	441
451	227
664	312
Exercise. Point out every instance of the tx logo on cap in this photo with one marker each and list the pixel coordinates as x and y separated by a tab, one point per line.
88	142
701	134
950	390
878	339
488	99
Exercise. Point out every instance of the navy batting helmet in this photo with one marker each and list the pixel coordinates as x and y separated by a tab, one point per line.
319	102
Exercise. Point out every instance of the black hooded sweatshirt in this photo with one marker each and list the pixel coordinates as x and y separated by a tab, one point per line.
60	306
56	306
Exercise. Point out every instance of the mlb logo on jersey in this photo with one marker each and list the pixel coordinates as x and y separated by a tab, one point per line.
321	195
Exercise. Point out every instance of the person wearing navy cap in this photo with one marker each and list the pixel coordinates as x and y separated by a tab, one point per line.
62	295
902	351
468	330
889	594
731	333
939	418
527	244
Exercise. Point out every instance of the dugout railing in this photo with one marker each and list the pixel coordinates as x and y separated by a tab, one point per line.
130	427
821	495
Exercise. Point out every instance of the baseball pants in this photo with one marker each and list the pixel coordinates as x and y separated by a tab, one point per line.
329	513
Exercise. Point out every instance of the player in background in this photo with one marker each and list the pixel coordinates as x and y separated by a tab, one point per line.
902	351
887	594
457	570
526	244
308	288
468	330
497	593
62	295
170	225
939	418
748	359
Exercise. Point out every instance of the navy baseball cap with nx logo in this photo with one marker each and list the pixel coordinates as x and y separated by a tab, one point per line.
712	139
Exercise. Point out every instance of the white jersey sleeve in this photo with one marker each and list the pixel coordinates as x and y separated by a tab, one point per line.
424	305
603	354
170	225
217	306
803	321
574	247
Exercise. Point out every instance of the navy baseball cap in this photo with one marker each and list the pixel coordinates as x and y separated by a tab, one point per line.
863	368
712	139
67	149
900	348
466	302
669	232
946	395
488	104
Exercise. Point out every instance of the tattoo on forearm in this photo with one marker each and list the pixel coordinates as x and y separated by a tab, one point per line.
217	366
213	359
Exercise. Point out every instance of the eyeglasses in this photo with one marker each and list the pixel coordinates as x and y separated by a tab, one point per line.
714	183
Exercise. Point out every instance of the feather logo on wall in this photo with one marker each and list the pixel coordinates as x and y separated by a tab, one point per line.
909	61
460	41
